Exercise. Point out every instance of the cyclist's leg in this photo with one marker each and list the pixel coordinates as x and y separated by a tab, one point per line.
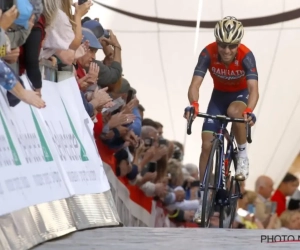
235	110
216	106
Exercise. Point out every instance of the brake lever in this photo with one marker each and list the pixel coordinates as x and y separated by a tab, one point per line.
190	121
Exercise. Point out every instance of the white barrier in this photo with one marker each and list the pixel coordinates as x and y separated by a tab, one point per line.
51	176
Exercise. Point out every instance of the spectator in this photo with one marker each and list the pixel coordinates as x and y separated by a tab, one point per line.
111	68
287	187
160	128
141	110
263	206
294	202
290	220
193	170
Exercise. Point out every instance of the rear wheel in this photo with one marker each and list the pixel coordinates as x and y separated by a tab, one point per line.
210	184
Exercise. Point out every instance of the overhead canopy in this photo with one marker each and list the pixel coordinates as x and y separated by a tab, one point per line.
157	39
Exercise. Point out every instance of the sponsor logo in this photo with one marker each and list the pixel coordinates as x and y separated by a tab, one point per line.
228	74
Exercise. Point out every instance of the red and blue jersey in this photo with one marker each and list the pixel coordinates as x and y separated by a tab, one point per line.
230	78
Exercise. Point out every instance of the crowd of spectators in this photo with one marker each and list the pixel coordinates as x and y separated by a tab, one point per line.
61	33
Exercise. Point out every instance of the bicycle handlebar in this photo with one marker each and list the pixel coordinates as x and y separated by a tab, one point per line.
220	118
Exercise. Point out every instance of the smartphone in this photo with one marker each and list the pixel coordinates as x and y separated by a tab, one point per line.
81	2
273	207
151	167
163	142
251	209
148	142
106	34
129	96
5	5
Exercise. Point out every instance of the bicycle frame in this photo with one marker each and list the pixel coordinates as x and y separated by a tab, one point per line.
225	157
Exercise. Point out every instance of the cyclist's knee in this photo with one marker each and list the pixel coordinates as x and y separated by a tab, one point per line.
235	111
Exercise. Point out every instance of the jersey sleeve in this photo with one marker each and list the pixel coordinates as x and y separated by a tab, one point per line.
249	66
203	63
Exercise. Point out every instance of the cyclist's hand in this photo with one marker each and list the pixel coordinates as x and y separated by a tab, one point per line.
195	105
249	116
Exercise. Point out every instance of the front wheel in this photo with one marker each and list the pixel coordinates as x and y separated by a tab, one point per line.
210	184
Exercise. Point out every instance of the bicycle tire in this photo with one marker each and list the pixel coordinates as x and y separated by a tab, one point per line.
233	202
233	186
214	150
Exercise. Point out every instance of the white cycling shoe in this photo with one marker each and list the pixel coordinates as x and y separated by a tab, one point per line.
242	171
197	216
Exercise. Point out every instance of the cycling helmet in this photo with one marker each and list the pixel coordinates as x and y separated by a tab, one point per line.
229	30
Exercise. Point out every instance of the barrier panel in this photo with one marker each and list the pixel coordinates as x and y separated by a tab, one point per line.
52	180
134	212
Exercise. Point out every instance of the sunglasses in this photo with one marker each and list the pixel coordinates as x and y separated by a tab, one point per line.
225	45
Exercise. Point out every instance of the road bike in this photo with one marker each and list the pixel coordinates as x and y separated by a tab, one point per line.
221	190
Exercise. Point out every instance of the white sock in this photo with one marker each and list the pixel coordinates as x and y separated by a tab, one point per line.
242	150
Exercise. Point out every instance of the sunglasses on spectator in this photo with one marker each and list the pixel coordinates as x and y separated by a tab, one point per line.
225	45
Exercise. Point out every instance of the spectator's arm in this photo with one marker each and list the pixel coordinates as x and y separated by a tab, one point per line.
109	74
148	188
136	126
88	107
78	34
185	205
31	57
66	56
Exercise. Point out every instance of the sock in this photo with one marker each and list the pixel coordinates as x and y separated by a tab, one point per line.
242	150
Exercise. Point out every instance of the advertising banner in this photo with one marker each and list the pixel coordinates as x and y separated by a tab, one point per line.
29	174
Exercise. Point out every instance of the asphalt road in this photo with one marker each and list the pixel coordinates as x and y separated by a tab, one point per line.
137	238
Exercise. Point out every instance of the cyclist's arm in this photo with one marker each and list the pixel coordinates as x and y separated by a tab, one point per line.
199	73
249	65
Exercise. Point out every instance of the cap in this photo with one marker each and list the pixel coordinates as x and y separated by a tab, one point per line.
95	27
125	87
89	35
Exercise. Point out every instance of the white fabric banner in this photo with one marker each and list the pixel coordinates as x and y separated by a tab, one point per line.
29	174
64	120
47	154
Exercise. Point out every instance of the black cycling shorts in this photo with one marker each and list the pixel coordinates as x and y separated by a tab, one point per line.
218	105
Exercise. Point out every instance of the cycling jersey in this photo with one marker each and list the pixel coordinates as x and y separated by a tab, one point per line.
230	78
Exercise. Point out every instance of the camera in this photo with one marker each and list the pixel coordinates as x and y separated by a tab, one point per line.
177	154
148	142
163	142
106	34
81	2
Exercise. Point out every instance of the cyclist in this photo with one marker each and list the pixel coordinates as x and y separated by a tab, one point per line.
233	69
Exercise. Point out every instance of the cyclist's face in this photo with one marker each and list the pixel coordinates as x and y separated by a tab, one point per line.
227	51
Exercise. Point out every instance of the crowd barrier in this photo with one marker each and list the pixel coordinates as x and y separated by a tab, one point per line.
134	208
52	180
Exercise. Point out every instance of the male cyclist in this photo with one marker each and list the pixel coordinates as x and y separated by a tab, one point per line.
233	69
